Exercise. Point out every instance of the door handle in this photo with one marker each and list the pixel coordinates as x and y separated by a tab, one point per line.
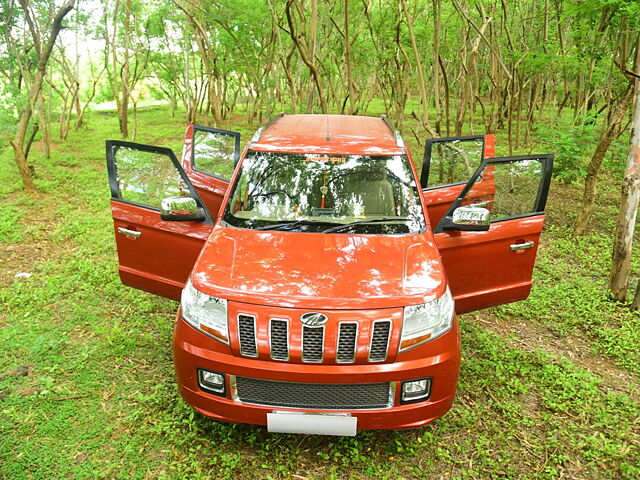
514	247
129	233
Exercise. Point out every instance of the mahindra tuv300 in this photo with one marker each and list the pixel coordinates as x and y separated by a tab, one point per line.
319	286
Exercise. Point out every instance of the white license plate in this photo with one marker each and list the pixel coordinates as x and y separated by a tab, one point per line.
312	423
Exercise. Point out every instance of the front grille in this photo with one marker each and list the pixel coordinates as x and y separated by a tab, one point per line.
247	334
312	344
322	396
342	340
347	336
279	339
379	341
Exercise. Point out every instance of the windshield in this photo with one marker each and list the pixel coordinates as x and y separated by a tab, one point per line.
317	192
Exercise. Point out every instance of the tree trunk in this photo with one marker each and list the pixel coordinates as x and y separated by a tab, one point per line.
19	151
609	133
422	83
619	278
303	50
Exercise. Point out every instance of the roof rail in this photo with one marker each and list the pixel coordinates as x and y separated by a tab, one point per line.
396	134
258	134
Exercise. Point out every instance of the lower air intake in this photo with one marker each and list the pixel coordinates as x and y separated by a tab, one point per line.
321	396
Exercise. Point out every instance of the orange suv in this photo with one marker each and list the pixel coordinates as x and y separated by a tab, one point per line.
319	286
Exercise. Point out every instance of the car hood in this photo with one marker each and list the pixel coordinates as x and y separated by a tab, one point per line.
319	271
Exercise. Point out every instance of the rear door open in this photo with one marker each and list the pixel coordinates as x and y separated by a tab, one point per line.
447	165
209	158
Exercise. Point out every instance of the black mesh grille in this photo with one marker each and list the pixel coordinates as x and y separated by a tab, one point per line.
312	339
347	342
379	341
247	334
323	396
279	339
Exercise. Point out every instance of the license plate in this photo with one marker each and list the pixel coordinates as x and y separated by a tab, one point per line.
312	423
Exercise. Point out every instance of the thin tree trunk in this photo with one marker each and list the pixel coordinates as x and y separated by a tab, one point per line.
435	67
303	50
347	59
422	83
609	133
623	240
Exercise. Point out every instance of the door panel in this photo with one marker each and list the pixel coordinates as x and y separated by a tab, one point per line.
160	255
209	158
494	267
153	254
482	270
444	154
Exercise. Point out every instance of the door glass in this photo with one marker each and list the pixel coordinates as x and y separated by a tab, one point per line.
215	153
146	177
507	189
450	161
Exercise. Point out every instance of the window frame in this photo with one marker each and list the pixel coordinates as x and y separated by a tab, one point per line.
426	159
236	153
541	196
114	185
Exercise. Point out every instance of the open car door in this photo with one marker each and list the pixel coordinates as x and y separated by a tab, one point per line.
154	255
209	158
447	165
488	238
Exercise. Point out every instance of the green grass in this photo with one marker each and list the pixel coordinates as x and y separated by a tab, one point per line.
100	399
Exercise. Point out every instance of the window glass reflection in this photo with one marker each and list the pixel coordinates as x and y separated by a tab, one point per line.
454	161
508	189
214	153
278	187
146	177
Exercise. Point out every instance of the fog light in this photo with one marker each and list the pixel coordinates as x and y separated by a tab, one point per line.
415	390
211	381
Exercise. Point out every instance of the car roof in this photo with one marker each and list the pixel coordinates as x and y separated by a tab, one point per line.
337	134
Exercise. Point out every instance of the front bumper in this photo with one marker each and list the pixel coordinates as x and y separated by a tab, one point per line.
438	359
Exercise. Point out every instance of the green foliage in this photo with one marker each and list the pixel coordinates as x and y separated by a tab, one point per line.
572	146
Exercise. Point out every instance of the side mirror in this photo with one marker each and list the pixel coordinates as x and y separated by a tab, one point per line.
469	218
180	209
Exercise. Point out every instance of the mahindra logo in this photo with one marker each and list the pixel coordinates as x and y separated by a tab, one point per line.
313	319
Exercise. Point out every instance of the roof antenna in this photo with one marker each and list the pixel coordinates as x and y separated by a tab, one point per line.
328	137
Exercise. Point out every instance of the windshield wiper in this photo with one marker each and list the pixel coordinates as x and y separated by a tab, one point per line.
344	226
293	224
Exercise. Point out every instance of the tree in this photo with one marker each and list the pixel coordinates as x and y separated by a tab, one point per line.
43	46
623	239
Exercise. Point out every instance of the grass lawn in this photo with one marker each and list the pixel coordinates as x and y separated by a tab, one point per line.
549	387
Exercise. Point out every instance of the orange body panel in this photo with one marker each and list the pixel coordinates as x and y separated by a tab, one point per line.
160	260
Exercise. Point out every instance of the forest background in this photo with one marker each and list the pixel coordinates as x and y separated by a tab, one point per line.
560	76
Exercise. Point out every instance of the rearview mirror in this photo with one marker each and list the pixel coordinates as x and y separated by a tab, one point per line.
180	209
469	217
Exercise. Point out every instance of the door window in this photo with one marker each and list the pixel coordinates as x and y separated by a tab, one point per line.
145	175
508	187
449	161
215	152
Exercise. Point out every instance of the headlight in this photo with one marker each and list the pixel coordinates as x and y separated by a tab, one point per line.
207	314
427	321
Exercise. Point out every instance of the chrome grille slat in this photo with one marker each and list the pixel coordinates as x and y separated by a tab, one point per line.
379	340
312	344
247	335
325	396
279	339
347	340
